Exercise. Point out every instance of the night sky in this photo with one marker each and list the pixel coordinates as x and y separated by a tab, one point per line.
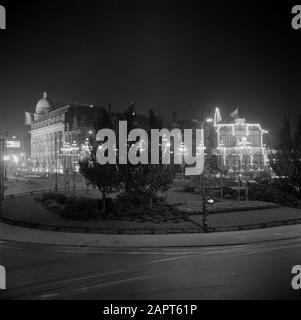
181	56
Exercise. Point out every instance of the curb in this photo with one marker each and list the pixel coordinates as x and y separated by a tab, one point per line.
32	225
255	226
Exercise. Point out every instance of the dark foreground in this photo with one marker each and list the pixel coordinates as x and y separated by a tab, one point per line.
255	271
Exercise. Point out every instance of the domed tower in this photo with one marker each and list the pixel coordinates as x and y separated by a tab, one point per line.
43	106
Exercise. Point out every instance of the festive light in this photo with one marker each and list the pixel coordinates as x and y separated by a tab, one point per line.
240	138
217	116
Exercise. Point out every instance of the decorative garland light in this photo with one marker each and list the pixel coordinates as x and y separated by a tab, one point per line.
242	130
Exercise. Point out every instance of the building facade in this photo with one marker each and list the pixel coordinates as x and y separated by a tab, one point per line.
59	135
240	145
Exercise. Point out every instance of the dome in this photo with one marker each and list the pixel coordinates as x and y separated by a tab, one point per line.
43	105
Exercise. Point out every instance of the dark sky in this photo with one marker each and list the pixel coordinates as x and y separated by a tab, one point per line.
181	56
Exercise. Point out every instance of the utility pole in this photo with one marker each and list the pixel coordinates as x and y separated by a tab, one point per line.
247	187
221	175
203	189
205	213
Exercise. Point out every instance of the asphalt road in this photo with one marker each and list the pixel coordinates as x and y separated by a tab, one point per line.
254	271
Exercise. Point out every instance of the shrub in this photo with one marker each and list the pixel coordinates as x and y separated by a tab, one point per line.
277	192
229	193
189	188
58	197
127	205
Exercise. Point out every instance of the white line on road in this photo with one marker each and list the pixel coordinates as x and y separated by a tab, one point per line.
68	293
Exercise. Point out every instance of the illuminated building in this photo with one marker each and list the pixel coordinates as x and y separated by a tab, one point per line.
59	135
240	145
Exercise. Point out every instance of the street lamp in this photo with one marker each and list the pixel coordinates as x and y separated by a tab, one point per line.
74	153
203	190
182	151
65	152
202	178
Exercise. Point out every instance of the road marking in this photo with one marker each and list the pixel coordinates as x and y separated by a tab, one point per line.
95	275
8	247
68	293
128	252
249	249
281	247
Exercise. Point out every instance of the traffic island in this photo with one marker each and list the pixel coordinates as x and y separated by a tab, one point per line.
27	212
249	219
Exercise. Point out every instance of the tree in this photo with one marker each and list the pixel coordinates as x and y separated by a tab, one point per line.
150	179
297	138
285	140
127	171
286	160
103	176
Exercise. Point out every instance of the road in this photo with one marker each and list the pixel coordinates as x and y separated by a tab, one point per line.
250	271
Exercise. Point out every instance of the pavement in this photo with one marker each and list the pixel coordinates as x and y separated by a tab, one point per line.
261	270
47	265
18	234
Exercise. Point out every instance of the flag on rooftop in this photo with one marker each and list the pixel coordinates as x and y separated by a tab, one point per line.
234	114
28	118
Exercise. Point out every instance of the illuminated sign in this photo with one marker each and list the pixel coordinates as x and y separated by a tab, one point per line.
13	144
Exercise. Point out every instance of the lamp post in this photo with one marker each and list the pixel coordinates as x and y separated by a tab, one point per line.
221	175
205	212
65	150
182	151
74	150
203	189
